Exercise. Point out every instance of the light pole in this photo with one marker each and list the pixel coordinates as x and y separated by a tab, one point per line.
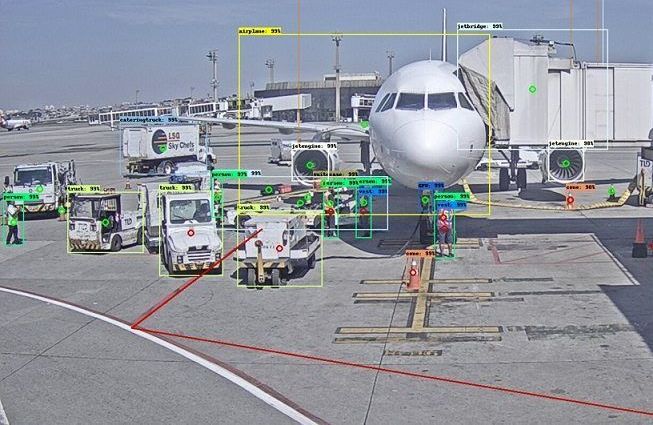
213	58
192	89
270	64
137	91
336	39
391	55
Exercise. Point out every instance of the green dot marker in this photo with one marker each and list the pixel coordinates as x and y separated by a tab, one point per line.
329	204
61	210
163	148
611	191
532	88
105	222
39	189
310	165
365	124
307	197
300	203
425	200
565	163
13	222
268	189
363	202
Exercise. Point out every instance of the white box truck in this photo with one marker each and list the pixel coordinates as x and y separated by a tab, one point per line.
157	149
46	179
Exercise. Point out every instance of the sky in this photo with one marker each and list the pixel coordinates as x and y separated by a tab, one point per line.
73	52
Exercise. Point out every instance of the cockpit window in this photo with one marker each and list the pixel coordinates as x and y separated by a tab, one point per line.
439	101
382	102
464	102
411	101
389	103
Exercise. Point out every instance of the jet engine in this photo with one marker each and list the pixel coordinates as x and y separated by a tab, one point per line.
562	165
306	162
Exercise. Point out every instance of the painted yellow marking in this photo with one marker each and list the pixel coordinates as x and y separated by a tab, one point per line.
390	295
419	313
433	330
463	280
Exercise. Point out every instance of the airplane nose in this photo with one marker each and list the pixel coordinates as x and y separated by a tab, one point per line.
425	143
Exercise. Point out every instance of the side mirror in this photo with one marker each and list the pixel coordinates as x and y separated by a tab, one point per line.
6	180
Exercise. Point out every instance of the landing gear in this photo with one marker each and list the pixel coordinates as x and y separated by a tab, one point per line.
504	179
425	230
521	178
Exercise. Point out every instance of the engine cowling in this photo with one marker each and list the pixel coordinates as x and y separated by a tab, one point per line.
306	162
563	165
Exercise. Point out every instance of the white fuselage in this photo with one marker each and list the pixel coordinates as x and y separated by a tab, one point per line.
438	140
14	124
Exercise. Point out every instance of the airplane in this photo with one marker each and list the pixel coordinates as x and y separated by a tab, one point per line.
422	125
14	124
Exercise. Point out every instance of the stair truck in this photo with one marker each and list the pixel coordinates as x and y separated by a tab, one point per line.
151	150
101	222
190	240
48	180
283	245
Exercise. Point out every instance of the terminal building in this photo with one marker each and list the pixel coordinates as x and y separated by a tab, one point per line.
356	90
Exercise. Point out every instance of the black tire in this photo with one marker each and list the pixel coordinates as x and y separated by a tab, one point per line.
116	243
521	178
311	262
285	277
169	265
275	277
249	277
139	237
504	179
168	168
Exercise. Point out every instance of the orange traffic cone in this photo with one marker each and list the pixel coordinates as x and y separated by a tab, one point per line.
413	278
639	246
569	201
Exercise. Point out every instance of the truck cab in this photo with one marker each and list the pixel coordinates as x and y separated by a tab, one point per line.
189	232
48	180
100	223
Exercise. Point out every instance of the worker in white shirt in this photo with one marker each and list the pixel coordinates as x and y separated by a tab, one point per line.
12	223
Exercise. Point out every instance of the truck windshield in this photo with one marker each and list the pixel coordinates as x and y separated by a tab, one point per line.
85	208
194	210
31	177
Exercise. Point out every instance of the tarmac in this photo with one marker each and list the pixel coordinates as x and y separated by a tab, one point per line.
540	317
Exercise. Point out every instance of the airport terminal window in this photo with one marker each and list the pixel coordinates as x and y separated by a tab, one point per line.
464	102
438	101
382	102
390	102
411	101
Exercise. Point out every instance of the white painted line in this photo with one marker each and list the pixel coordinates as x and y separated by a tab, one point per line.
3	415
238	380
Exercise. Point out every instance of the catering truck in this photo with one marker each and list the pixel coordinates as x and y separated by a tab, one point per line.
148	149
48	180
189	235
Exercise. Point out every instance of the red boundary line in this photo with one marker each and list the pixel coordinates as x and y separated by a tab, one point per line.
186	285
506	390
512	391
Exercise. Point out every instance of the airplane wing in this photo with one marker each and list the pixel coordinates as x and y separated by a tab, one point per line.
341	130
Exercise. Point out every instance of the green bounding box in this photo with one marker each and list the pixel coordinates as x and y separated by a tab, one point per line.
83	188
21	196
235	174
451	196
337	182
